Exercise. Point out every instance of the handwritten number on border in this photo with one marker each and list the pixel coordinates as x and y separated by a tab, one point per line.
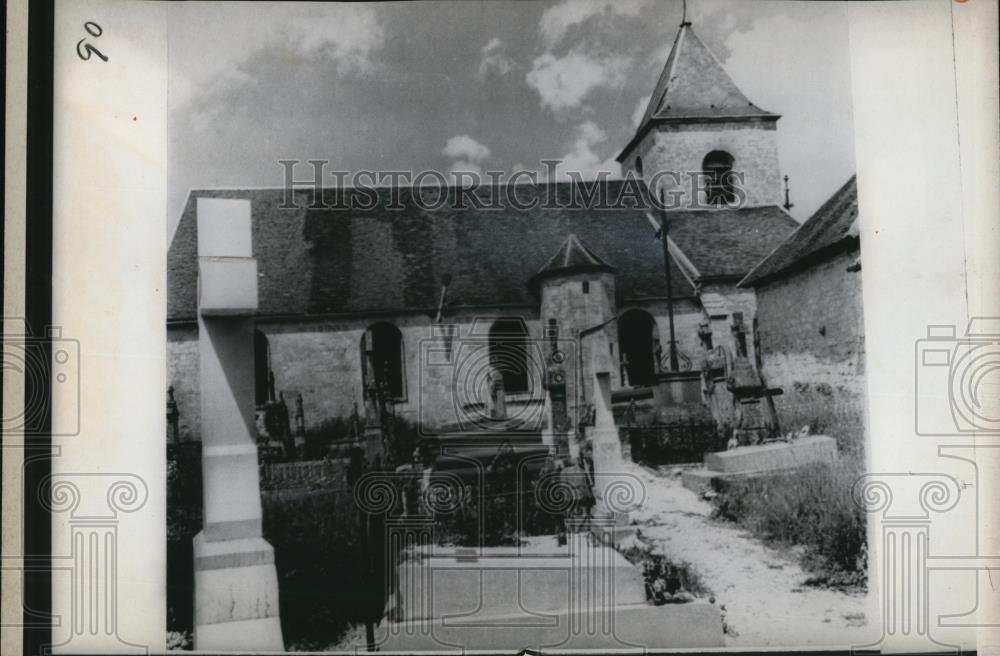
85	50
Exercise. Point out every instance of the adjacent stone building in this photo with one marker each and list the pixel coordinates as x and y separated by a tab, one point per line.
809	308
437	299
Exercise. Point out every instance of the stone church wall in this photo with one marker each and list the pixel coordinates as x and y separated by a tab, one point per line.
321	360
182	374
812	334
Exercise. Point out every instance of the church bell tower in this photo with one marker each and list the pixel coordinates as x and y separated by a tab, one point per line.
700	133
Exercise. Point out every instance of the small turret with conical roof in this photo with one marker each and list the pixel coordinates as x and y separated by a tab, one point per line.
572	257
577	292
699	123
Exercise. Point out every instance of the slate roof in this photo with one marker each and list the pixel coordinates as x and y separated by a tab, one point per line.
572	257
694	85
727	243
361	261
831	229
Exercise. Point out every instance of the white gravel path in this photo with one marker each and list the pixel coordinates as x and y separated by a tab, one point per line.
760	587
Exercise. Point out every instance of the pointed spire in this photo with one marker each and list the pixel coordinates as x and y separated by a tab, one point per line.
694	85
573	256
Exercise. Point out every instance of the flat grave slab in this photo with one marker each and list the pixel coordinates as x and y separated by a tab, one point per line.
695	625
502	581
538	595
755	461
773	456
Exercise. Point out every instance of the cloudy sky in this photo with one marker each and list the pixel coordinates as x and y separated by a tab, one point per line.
483	85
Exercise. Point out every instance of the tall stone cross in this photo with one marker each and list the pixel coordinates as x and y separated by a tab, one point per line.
236	583
604	433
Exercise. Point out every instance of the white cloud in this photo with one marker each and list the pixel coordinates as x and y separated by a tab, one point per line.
494	60
227	35
468	155
564	82
557	20
349	37
466	148
582	159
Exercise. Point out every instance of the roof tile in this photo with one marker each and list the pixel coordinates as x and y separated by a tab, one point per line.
334	260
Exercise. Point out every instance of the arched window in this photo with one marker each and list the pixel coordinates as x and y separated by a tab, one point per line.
638	166
718	168
638	343
383	358
509	353
263	379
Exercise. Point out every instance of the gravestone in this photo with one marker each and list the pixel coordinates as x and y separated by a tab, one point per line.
604	435
759	460
608	522
236	582
557	426
497	394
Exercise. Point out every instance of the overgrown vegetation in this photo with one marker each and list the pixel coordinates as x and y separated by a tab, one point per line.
811	506
666	581
322	581
183	523
333	437
815	407
323	584
495	518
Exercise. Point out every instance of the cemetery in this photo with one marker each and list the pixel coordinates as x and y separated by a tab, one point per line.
407	431
514	534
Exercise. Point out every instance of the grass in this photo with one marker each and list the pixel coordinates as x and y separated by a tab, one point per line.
811	506
325	581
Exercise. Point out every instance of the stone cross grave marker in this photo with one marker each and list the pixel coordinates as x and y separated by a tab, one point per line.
236	582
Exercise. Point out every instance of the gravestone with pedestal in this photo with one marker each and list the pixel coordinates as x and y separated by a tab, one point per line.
555	435
607	521
236	583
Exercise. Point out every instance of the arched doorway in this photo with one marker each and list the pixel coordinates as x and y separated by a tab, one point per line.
382	353
263	379
638	343
508	353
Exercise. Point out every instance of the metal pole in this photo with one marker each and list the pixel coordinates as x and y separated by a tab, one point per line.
670	288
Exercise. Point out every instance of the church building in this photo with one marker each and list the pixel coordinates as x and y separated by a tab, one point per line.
430	302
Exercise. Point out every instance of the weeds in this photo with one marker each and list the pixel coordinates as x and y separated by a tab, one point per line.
811	506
